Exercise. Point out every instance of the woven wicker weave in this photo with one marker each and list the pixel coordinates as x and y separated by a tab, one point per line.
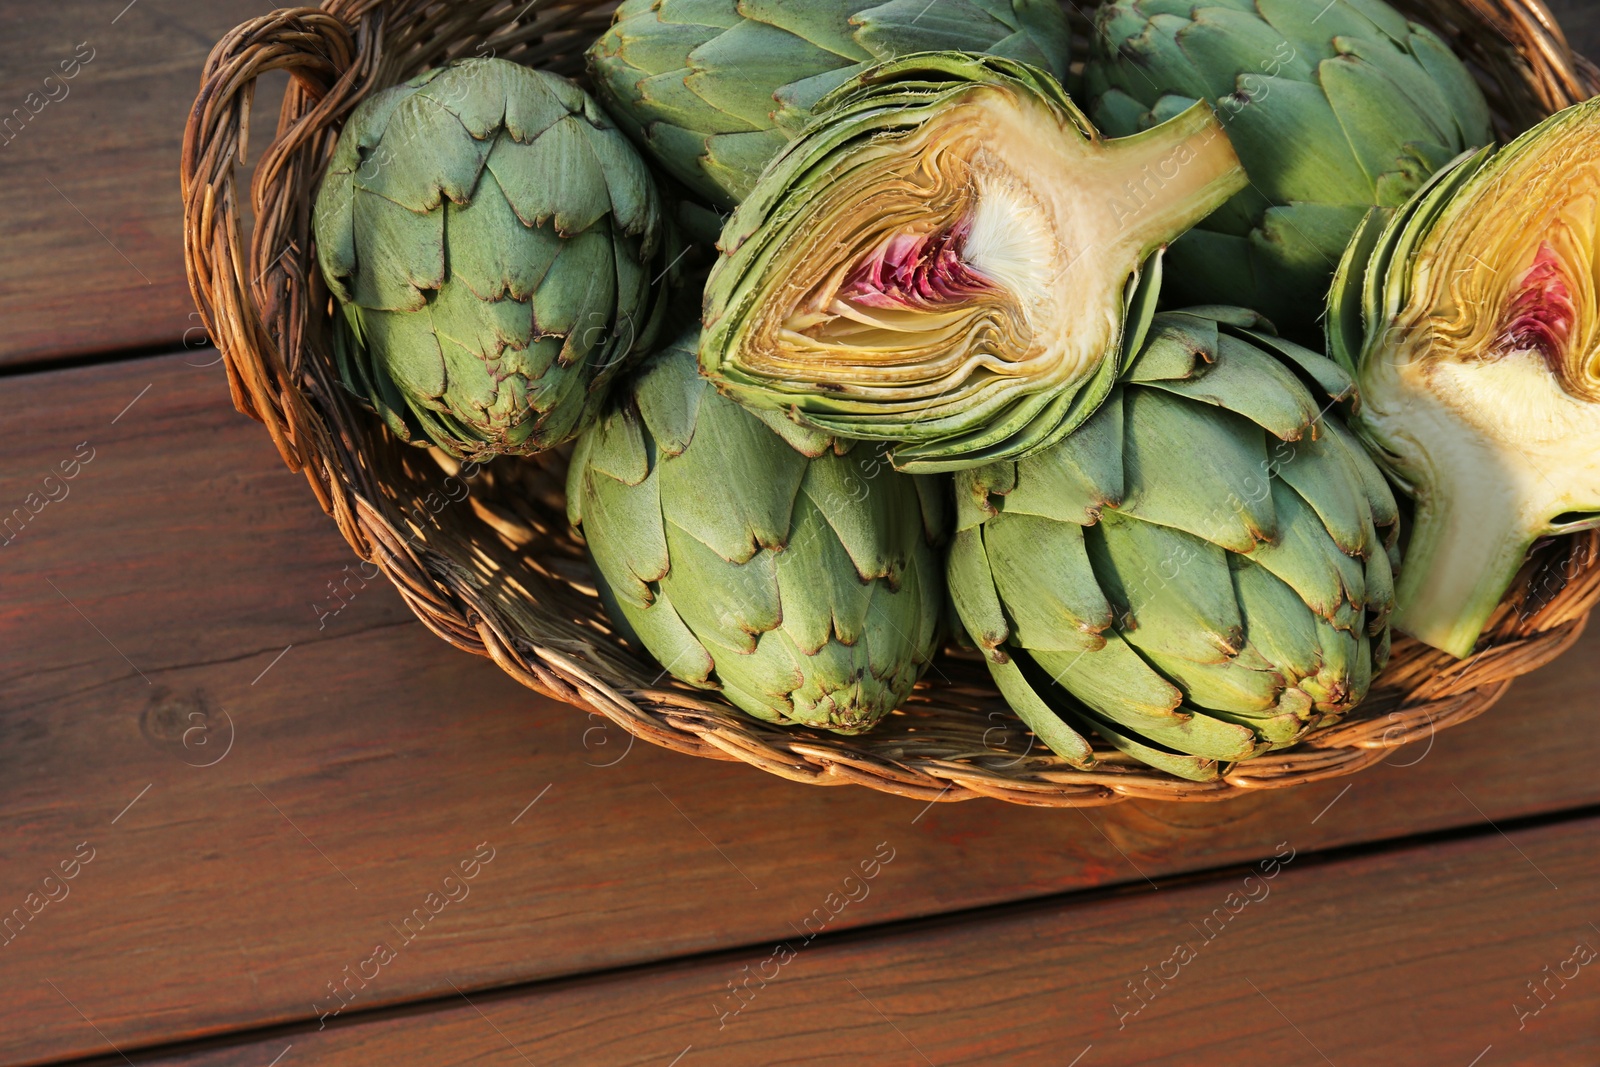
485	557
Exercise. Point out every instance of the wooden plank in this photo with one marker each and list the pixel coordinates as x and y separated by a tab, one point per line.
89	156
148	617
1477	952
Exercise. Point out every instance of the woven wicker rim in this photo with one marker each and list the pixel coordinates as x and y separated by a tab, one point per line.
484	556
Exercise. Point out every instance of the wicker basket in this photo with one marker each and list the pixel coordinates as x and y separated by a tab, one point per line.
488	562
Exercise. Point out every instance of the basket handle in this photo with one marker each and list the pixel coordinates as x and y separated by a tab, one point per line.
244	298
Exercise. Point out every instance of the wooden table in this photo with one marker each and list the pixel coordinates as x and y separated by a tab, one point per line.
240	830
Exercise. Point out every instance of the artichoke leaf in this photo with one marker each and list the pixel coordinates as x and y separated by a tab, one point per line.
1040	717
1308	559
1178	350
627	539
1197	471
823	595
827	24
1177	764
734	491
1323	473
972	589
661	626
1078	479
1171	589
1244	380
1115	676
1060	607
1241	688
714	89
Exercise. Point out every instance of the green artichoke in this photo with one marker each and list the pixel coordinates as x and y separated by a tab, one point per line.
1333	107
1201	573
497	249
715	88
1470	321
948	257
749	555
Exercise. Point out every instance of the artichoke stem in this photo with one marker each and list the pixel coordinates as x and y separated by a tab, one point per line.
1469	541
1171	176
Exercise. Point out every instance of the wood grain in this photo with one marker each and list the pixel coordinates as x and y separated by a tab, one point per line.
148	617
91	215
1476	952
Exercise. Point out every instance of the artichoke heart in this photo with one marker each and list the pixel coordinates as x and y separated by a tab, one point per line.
951	257
498	252
796	574
1470	319
1201	573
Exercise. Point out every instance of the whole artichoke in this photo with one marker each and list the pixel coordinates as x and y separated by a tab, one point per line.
1470	321
749	555
1334	108
1201	572
951	257
715	88
497	250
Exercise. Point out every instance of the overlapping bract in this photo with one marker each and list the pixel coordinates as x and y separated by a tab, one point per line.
1334	108
755	557
1472	322
948	259
498	252
1201	572
715	88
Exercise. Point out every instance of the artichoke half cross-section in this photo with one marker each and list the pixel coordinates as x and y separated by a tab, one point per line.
950	257
498	253
1472	322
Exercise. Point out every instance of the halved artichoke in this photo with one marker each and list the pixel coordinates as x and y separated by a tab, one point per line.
948	258
1470	320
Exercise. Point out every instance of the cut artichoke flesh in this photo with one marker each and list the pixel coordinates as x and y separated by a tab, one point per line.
1477	353
948	257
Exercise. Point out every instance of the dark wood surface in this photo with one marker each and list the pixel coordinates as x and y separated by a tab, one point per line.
172	596
266	786
91	220
1420	955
